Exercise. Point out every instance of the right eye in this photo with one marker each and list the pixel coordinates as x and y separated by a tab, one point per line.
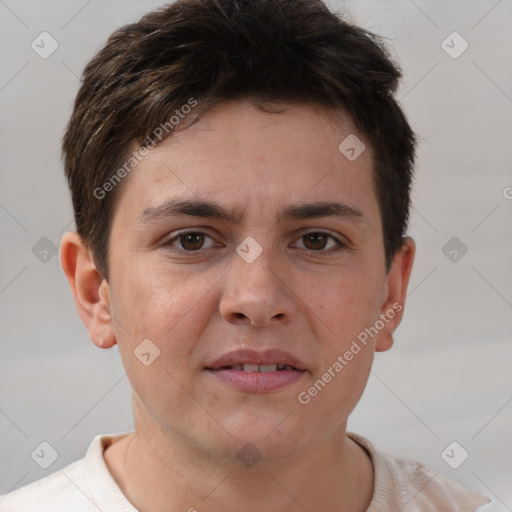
188	241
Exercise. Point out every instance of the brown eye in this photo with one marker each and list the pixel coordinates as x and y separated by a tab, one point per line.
321	242
315	241
191	241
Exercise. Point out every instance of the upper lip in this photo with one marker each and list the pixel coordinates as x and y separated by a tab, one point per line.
247	356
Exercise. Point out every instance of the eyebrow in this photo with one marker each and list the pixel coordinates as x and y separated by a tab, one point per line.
212	210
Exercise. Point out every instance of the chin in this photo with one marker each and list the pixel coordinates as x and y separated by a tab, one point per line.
269	437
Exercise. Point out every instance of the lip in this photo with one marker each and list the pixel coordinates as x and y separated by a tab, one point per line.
257	382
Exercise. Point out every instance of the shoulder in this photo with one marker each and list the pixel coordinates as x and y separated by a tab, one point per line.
63	490
84	485
403	484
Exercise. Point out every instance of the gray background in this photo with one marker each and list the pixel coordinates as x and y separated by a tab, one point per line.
448	377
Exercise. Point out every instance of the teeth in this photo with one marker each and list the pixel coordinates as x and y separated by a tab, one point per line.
260	367
251	368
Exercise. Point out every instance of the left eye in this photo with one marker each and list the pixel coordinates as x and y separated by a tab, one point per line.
319	241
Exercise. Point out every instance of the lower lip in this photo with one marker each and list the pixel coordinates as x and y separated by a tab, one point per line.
258	382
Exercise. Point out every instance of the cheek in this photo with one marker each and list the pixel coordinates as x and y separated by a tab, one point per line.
351	303
171	309
345	302
167	310
155	299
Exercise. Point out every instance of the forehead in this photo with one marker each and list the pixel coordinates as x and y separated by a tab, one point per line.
241	155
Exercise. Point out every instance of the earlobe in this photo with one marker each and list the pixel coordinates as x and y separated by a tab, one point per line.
90	291
397	280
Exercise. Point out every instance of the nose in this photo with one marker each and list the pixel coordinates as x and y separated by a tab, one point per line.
258	293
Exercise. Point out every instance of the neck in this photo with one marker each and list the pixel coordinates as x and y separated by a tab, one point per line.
159	473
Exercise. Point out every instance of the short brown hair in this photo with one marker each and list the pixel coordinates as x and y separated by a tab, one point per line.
218	50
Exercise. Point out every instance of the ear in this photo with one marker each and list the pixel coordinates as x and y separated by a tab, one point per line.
90	291
393	304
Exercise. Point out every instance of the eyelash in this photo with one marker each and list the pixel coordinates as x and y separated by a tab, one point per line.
320	252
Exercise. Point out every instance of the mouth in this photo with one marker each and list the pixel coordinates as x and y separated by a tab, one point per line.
248	367
257	372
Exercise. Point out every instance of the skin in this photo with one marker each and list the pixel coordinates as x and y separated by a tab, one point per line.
299	296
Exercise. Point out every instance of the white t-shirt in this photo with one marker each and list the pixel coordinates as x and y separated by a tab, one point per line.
87	486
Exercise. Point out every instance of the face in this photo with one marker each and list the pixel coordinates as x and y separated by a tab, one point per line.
246	241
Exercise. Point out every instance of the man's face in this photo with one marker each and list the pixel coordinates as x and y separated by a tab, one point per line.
318	282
